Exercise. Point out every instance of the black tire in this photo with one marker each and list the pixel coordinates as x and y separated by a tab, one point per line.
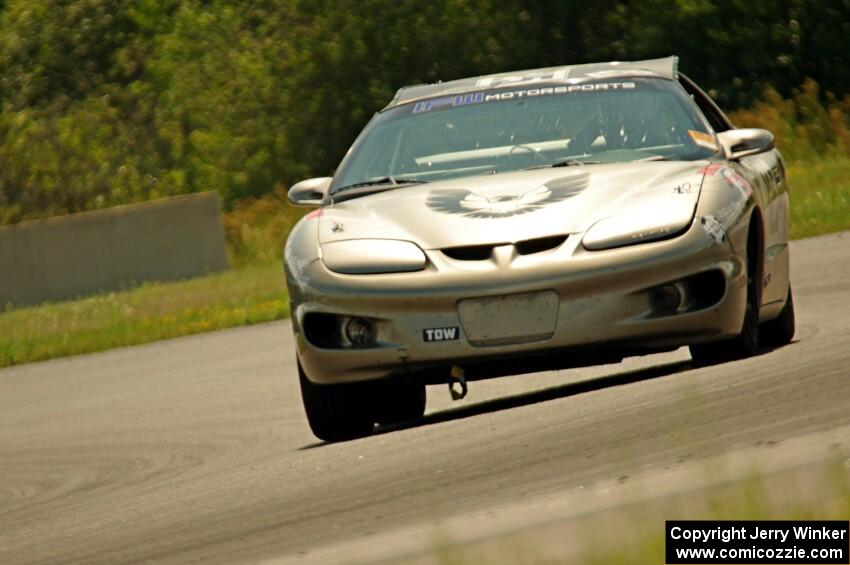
746	343
399	401
780	331
337	412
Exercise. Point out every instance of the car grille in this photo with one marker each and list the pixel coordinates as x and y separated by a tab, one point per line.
539	245
525	247
470	252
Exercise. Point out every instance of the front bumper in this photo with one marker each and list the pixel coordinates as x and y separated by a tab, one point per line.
602	300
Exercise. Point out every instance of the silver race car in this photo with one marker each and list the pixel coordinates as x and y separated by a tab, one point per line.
530	221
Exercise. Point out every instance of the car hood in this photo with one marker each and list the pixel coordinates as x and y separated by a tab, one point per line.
510	207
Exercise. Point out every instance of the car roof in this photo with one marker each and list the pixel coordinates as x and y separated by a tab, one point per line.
666	68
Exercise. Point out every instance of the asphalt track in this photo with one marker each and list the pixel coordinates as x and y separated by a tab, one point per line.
196	449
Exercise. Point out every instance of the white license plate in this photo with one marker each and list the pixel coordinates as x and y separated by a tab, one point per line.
511	318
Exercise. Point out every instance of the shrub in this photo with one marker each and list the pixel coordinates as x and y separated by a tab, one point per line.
805	128
256	228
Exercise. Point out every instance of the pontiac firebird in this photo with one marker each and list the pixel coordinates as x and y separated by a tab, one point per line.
528	221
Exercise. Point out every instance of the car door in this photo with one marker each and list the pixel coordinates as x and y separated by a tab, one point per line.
767	172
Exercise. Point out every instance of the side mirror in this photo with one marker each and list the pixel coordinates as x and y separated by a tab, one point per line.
310	192
739	143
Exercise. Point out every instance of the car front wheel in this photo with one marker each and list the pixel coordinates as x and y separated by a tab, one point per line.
399	401
337	412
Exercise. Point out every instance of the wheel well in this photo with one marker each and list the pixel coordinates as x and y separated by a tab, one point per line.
755	252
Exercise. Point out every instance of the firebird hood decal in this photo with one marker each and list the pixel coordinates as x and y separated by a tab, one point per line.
474	205
512	206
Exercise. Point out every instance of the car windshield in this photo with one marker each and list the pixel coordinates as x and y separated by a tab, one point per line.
545	124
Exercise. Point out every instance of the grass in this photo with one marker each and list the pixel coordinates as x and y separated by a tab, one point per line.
254	290
149	312
820	197
634	533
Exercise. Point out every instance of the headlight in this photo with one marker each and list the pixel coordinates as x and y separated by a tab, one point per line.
372	256
639	225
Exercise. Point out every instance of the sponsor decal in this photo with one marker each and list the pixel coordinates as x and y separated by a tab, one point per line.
684	188
482	97
712	169
534	76
451	333
730	213
731	176
619	72
736	180
654	232
473	205
714	228
702	139
456	100
590	87
778	173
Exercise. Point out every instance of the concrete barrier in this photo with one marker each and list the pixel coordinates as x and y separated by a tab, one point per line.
70	256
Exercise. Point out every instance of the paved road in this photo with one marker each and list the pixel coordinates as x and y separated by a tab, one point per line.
197	448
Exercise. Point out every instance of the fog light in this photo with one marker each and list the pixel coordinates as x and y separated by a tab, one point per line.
666	299
360	332
322	330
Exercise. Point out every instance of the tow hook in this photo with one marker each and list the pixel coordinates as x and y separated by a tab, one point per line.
456	376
